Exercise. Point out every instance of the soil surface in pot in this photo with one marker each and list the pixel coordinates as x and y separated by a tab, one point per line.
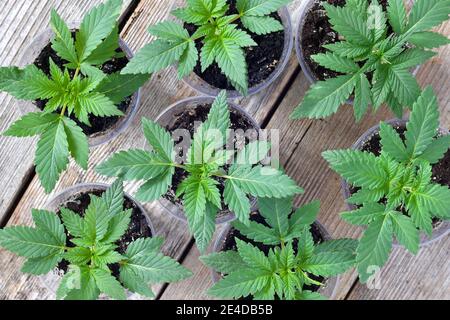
441	170
317	32
187	120
230	244
98	124
261	60
138	227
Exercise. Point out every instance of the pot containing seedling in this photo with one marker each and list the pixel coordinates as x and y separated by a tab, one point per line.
240	46
365	52
213	180
397	184
93	242
73	95
286	253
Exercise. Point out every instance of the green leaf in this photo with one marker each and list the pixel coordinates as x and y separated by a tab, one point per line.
63	42
159	139
105	50
29	242
156	56
116	87
169	30
108	284
96	220
426	14
328	264
97	24
134	283
261	25
77	142
382	85
364	215
78	255
78	284
428	39
325	97
52	155
392	143
436	150
252	256
259	7
97	104
188	60
237	201
347	49
264	182
219	118
144	246
423	123
49	223
276	212
153	267
310	295
335	62
204	227
374	247
134	164
155	188
412	57
303	216
258	232
349	245
31	124
231	60
117	227
435	199
362	97
41	265
240	284
194	202
404	86
397	15
406	232
253	153
305	248
359	168
224	262
349	24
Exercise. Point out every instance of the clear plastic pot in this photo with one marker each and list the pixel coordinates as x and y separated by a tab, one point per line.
442	229
32	52
204	88
329	289
305	7
167	119
51	280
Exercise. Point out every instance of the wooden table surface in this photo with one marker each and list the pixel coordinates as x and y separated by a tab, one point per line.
424	276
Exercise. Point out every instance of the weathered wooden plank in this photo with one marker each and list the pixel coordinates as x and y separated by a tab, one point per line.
163	90
301	145
20	22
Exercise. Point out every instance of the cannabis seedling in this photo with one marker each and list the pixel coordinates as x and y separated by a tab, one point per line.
397	196
375	66
92	249
292	262
205	164
71	94
222	39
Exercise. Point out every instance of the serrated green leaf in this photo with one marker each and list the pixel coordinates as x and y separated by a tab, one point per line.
328	264
237	201
143	246
96	220
253	153
362	97
364	215
108	284
224	262
258	232
159	139
423	123
204	227
436	150
116	87
106	50
276	213
49	223
188	60
97	104
63	42
41	265
335	62
404	85
392	143
97	24
412	57
31	124
406	232
303	216
134	283
77	142
252	256
155	188
117	227
426	14
325	97
349	245
347	49
259	7
397	15
261	25
428	39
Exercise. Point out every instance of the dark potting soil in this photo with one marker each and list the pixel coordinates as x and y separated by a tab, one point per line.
261	59
187	120
441	170
138	227
98	124
230	244
317	32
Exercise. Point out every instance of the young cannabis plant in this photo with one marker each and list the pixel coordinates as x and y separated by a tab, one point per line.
75	92
375	65
91	250
222	39
292	262
397	196
206	164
